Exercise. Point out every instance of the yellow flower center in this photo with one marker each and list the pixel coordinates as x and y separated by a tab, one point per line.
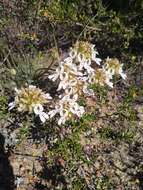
84	48
100	76
113	64
29	97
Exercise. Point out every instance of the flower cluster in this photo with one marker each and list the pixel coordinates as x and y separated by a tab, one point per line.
31	99
75	73
113	67
67	107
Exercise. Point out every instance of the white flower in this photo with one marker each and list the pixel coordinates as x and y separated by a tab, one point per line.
65	70
47	96
76	109
73	53
19	181
121	73
113	67
101	77
66	84
52	113
75	74
84	51
88	91
31	99
38	110
66	107
11	105
86	65
56	74
64	114
94	54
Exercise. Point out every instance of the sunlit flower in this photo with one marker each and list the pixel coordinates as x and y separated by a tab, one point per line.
101	77
67	73
75	73
84	51
86	67
66	108
65	70
31	99
113	67
18	181
38	110
80	87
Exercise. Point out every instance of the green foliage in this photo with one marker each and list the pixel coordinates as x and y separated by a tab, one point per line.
101	92
24	131
116	135
103	183
89	117
78	184
126	109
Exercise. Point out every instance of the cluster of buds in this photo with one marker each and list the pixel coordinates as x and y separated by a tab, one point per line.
75	74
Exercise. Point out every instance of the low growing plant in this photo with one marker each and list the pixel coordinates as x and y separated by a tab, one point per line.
76	72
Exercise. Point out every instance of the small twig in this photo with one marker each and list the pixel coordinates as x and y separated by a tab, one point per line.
89	27
27	155
6	56
85	27
55	41
36	14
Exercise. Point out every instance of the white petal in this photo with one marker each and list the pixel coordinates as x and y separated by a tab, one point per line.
48	96
42	118
45	115
110	84
64	76
11	105
75	97
80	112
32	87
54	76
62	85
61	120
97	60
72	53
81	58
89	69
52	113
123	75
38	109
72	109
68	60
16	90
